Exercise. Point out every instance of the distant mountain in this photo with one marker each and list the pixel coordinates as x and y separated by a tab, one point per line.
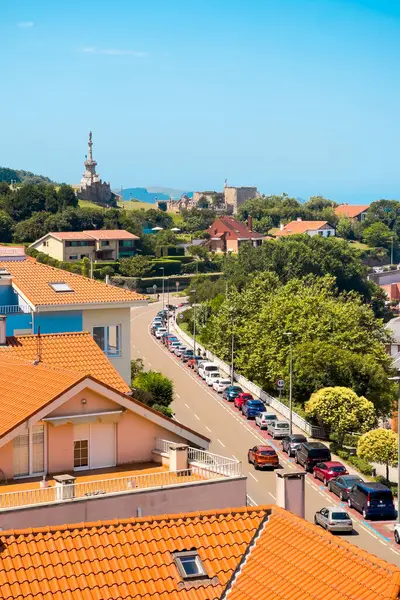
20	176
152	194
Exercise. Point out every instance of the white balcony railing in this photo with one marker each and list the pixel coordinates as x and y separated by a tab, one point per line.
12	309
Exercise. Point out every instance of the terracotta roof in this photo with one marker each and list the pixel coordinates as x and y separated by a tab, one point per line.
12	251
351	210
296	559
25	388
295	227
77	352
392	290
111	234
248	553
69	235
32	279
235	227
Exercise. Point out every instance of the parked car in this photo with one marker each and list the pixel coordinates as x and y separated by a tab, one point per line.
169	337
290	443
397	533
159	332
211	377
325	471
179	349
173	345
171	340
263	418
372	500
199	364
308	454
278	429
263	456
207	368
186	355
342	485
193	361
221	384
251	408
334	519
231	392
241	399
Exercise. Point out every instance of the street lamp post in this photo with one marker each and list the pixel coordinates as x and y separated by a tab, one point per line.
232	352
397	378
391	251
163	273
290	335
194	321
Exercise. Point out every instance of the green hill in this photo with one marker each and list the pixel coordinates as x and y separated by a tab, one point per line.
20	176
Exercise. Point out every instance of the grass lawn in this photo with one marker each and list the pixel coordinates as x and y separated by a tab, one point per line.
87	204
129	205
359	245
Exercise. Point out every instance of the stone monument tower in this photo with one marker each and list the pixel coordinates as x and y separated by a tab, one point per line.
92	188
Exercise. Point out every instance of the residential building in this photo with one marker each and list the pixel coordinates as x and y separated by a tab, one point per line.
36	296
228	235
260	552
311	228
354	212
96	245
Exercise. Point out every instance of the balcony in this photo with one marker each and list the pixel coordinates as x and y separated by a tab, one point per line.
14	309
128	490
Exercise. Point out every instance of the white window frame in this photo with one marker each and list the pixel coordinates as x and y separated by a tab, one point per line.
30	453
106	336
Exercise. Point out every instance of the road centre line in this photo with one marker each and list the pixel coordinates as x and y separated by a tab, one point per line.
208	429
222	444
187	406
253	476
178	396
272	496
197	417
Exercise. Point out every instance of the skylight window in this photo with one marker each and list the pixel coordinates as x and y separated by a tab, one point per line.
189	565
61	286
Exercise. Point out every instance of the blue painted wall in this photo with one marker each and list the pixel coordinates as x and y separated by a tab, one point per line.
18	321
7	296
58	322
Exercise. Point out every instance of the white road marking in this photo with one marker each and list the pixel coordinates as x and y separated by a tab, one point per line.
272	496
233	456
253	476
251	500
384	543
208	429
198	418
178	396
222	443
187	405
392	549
149	363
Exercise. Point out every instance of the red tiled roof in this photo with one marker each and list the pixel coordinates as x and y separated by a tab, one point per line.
392	290
70	235
236	228
351	210
296	227
111	234
253	553
12	251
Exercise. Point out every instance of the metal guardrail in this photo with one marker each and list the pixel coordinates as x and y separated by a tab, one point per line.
252	387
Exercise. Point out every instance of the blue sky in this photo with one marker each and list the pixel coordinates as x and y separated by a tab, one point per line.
301	96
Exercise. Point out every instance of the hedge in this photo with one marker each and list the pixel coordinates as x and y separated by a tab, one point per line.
171	267
142	284
169	251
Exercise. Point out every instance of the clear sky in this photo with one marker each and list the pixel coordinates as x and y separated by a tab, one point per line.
301	96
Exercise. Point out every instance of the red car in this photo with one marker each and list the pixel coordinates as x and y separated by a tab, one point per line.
241	399
329	470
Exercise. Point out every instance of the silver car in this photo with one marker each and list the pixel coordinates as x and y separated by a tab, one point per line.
179	349
334	519
263	418
278	429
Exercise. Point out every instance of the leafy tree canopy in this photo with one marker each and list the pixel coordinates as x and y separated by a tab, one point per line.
379	445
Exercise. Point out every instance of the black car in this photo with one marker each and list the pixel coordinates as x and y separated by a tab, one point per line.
308	454
290	443
341	486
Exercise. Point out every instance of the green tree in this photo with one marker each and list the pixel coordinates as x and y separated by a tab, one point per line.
137	366
319	203
339	409
344	229
378	234
203	202
160	387
28	198
137	266
165	238
379	445
199	251
6	227
86	267
33	228
66	197
51	199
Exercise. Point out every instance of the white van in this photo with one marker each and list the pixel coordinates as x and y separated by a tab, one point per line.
207	368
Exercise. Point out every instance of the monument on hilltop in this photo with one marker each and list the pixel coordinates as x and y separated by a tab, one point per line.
92	188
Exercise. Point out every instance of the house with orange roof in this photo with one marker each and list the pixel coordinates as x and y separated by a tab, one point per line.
354	212
36	297
322	228
251	553
228	235
97	244
73	415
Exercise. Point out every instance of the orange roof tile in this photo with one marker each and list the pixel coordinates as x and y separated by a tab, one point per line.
76	352
295	559
32	279
351	210
69	235
130	559
25	388
111	234
296	227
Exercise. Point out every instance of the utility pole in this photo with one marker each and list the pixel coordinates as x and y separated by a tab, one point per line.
397	378
232	352
290	335
163	300
91	268
194	321
391	251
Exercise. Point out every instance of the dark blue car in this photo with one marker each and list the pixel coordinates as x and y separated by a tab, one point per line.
372	500
232	392
251	408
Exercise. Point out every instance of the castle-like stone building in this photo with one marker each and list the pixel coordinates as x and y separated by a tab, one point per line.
91	187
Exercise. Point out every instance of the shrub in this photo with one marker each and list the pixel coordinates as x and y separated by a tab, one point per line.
171	267
360	464
160	387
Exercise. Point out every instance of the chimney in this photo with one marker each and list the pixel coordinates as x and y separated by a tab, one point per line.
250	222
281	227
290	492
299	219
3	337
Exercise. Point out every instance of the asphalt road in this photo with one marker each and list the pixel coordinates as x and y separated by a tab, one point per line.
200	408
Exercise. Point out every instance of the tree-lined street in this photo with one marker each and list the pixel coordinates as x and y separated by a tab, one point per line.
199	407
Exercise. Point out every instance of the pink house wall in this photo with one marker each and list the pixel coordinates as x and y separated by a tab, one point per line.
60	448
177	499
94	403
7	460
